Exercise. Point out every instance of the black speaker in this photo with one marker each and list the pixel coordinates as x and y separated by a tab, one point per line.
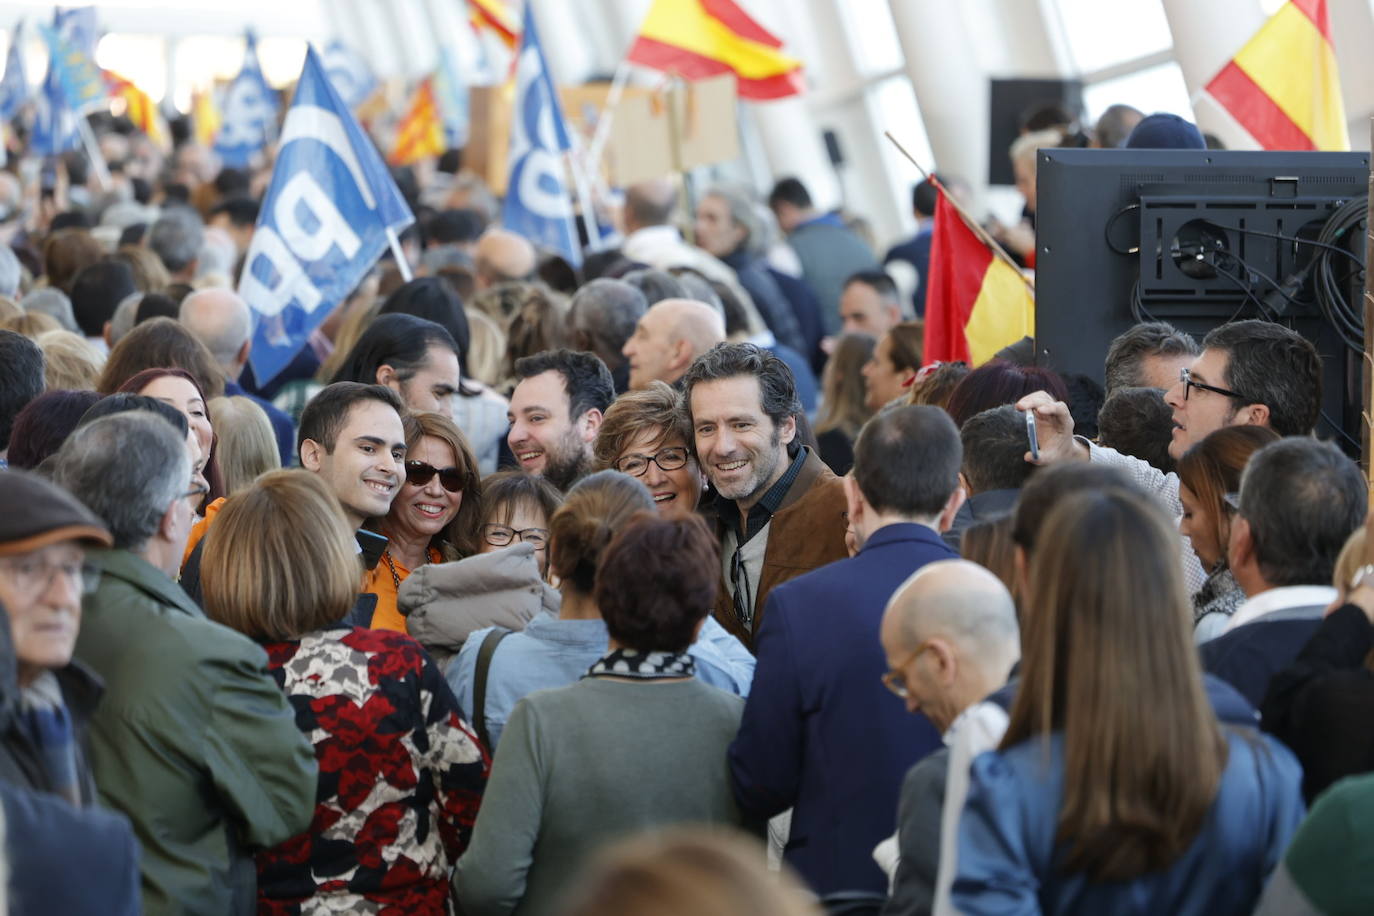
832	147
1010	102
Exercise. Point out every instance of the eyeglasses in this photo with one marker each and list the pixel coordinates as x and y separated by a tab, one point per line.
667	459
501	535
31	576
895	680
1186	377
420	473
739	578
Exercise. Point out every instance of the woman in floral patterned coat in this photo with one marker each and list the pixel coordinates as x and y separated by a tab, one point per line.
401	774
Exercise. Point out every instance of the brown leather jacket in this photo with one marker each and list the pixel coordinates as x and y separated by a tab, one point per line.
806	532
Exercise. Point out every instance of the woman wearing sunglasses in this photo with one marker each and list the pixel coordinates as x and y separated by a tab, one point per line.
434	518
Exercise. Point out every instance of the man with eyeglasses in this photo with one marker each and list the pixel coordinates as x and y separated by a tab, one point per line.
778	509
1249	372
193	741
821	734
950	637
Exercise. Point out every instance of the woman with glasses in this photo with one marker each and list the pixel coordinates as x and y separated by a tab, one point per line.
1207	472
516	510
1115	788
553	651
645	435
435	516
635	742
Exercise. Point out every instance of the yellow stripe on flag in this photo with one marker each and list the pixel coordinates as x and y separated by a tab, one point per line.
1003	313
683	24
1293	63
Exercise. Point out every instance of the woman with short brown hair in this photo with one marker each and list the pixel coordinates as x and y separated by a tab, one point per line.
1115	788
646	434
280	566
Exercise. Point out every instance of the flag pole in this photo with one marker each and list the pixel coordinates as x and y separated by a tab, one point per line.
102	171
974	227
603	123
399	254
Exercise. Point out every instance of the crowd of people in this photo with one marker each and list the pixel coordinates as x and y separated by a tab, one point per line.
676	581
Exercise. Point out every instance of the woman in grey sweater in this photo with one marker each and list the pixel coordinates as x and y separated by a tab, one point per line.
637	743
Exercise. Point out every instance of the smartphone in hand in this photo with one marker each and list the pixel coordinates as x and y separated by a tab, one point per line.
1031	435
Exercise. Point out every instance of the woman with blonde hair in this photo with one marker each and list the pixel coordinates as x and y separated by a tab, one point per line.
392	747
247	447
69	361
1115	788
688	871
434	517
843	409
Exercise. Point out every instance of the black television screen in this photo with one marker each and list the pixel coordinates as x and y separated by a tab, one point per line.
1198	238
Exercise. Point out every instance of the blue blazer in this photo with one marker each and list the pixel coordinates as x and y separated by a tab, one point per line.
821	734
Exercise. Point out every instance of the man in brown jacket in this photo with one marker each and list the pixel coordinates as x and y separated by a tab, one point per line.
778	509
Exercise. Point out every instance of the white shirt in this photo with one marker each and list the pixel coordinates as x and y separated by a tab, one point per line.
1280	599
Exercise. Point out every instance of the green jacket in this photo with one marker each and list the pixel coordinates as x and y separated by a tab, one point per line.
193	740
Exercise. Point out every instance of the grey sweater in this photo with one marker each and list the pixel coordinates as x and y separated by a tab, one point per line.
581	766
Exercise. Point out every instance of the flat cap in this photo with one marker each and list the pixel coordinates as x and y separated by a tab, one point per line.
35	513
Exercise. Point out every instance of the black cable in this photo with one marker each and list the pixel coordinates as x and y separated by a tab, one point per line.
1245	288
1291	238
1341	430
1111	221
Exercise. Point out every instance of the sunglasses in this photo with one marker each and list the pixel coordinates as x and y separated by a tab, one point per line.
420	473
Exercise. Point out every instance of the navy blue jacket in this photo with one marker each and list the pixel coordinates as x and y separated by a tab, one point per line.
916	252
821	734
1249	656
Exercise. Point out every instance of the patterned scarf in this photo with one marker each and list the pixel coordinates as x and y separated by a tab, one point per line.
43	717
643	665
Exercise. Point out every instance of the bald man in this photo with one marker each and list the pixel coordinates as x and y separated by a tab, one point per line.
951	639
220	319
503	256
668	338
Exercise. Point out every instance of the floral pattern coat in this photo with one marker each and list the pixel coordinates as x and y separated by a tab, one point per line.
401	778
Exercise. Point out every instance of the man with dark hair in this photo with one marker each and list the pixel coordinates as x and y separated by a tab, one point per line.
97	291
351	435
414	357
192	741
869	304
555	411
237	216
1137	422
1249	372
21	380
916	250
458	227
829	250
1300	499
995	467
602	315
820	733
778	509
1148	355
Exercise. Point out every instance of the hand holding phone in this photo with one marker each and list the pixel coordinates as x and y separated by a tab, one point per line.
1031	435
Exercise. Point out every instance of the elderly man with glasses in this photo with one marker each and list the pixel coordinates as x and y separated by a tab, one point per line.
1249	372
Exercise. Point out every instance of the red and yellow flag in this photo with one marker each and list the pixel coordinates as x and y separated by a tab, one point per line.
138	107
493	16
1283	86
976	303
696	39
421	132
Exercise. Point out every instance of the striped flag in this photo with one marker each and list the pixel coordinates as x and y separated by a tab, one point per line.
138	107
976	303
1283	87
421	132
492	16
697	39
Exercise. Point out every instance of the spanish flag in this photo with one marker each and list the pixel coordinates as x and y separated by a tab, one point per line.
1283	87
205	116
976	303
493	16
697	39
138	107
421	132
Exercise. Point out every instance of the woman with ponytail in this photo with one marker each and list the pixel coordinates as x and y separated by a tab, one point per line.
637	743
556	651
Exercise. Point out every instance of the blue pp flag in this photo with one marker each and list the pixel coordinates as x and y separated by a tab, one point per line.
78	26
75	71
54	122
348	73
248	113
324	222
14	88
537	202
